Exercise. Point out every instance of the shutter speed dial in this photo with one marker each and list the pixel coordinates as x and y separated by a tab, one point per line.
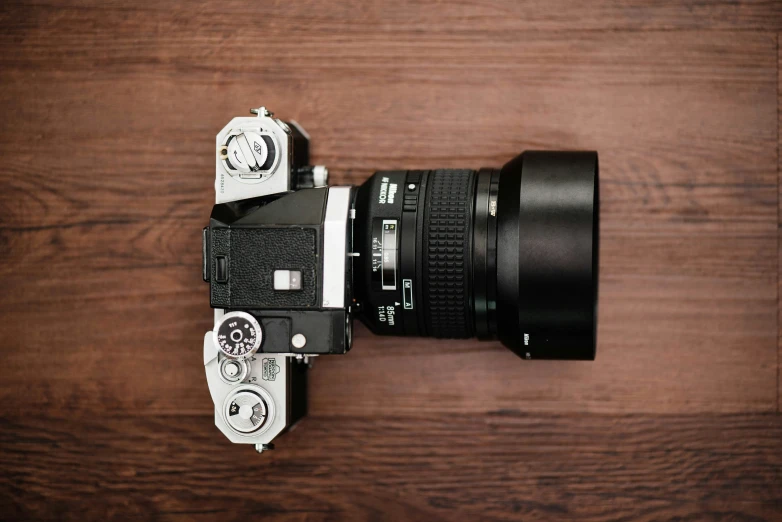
238	335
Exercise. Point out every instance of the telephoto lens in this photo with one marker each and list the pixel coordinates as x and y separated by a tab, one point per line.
508	254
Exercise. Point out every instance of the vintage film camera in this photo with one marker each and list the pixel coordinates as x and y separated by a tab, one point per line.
508	254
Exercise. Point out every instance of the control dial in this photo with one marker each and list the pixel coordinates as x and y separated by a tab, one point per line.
238	335
247	410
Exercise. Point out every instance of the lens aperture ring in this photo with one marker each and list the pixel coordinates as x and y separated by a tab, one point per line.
447	253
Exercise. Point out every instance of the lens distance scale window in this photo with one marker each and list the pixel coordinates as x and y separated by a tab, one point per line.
384	253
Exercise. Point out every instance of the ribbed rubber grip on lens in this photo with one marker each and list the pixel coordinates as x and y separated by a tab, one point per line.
447	236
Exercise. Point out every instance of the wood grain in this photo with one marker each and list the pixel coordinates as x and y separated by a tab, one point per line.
504	465
779	223
689	210
109	115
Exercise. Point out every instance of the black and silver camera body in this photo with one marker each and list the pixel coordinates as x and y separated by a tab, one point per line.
508	254
276	258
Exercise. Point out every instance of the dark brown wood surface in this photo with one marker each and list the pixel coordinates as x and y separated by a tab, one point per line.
109	111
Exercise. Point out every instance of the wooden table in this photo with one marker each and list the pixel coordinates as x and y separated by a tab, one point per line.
109	112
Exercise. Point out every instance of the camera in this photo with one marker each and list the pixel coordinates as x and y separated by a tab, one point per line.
505	253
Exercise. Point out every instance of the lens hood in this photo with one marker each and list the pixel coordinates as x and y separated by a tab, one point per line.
547	255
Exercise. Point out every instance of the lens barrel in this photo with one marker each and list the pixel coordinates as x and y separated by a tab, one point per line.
507	253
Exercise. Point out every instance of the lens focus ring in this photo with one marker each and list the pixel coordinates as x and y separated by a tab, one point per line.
447	238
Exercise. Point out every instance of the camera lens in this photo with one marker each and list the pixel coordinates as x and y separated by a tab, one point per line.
508	254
